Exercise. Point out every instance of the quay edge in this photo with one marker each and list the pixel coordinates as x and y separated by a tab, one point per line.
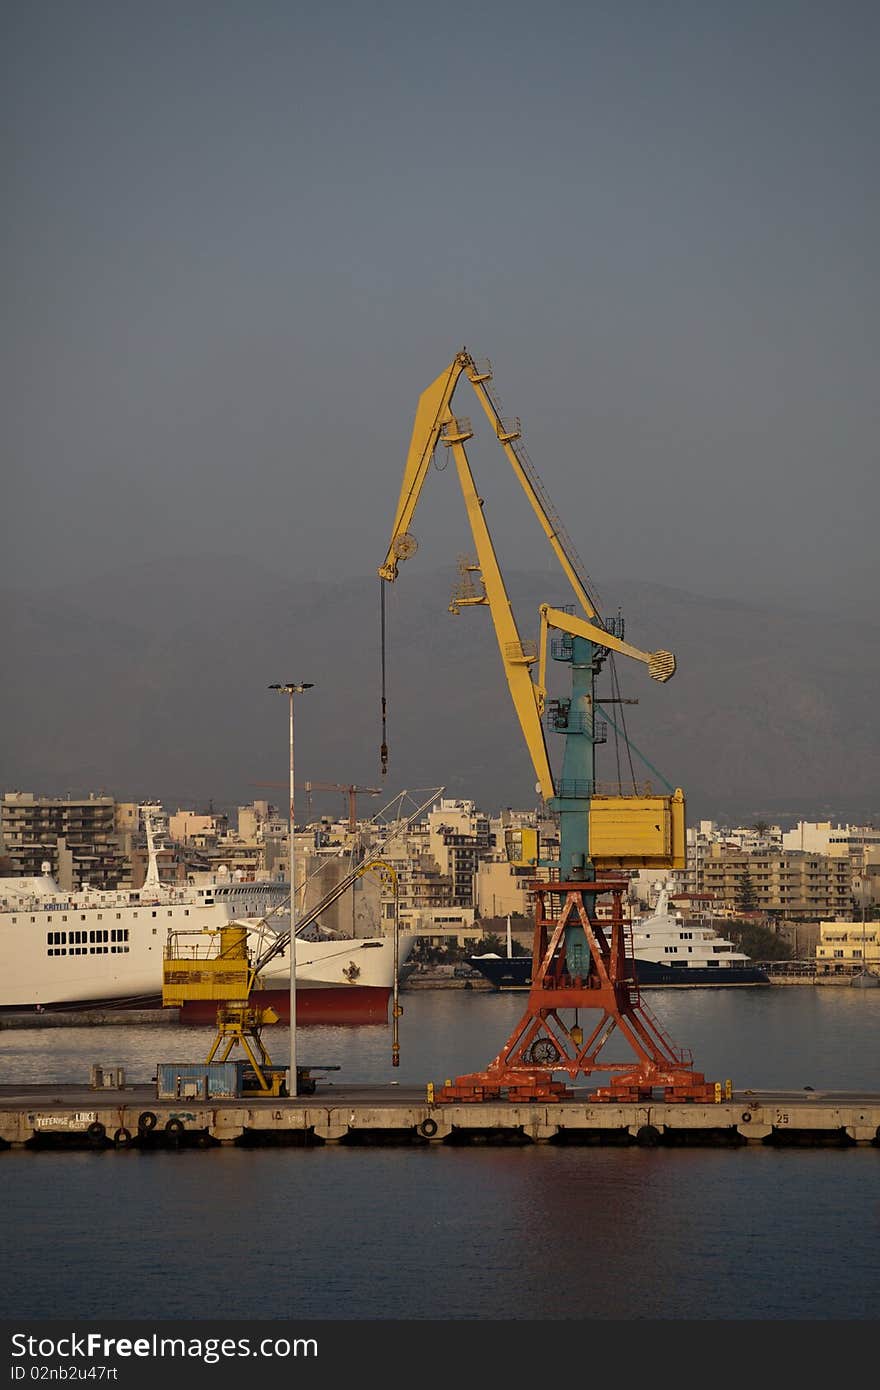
71	1116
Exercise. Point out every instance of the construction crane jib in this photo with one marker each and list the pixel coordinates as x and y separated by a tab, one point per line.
631	831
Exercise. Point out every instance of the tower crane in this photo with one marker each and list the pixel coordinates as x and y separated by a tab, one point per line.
351	791
578	963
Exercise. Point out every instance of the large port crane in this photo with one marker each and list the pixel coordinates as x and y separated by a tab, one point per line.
578	961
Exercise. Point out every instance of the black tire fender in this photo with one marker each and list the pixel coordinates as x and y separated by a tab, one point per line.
147	1120
648	1136
96	1130
174	1127
746	1116
122	1138
428	1128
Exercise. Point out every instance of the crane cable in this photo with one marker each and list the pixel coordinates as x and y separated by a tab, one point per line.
383	752
615	689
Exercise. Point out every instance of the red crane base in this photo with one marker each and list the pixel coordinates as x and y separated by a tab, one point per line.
543	1044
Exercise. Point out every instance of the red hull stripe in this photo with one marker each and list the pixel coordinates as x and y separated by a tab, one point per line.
369	1004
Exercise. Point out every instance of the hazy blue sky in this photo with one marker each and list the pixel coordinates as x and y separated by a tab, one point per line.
240	238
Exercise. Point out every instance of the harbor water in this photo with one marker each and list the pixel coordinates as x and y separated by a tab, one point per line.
472	1233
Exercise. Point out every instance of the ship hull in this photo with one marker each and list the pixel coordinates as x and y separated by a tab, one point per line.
515	973
106	952
332	1005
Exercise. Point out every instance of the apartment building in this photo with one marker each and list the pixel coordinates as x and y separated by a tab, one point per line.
77	837
793	884
845	945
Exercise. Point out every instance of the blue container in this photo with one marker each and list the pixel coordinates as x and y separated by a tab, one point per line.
199	1080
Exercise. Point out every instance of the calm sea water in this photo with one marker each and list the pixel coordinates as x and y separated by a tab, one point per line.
479	1233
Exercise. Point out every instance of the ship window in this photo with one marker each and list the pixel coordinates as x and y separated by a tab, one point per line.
154	914
118	915
186	912
100	916
33	919
134	914
82	916
15	919
64	916
168	913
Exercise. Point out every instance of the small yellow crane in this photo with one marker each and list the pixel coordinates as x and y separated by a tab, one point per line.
223	969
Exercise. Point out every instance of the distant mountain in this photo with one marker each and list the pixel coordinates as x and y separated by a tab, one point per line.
153	683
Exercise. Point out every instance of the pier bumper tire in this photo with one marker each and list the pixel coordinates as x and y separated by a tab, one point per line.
428	1128
746	1116
648	1136
147	1122
174	1130
121	1138
96	1132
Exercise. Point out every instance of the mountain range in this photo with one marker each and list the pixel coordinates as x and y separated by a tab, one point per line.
152	683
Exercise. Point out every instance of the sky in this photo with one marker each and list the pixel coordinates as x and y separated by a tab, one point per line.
241	238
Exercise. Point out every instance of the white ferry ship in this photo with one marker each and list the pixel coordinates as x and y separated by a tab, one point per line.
104	948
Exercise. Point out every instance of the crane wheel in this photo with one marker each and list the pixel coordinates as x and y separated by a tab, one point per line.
428	1128
146	1121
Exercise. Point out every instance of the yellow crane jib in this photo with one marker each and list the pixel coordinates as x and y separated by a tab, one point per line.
653	827
661	665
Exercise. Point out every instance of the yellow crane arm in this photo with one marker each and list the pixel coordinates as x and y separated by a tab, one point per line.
435	423
661	665
432	410
517	657
507	432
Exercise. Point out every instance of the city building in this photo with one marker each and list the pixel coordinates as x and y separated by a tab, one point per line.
77	837
843	946
777	883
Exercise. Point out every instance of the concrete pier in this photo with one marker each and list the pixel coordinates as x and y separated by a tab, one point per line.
131	1117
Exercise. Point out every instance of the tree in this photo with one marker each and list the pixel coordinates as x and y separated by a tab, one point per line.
746	894
760	943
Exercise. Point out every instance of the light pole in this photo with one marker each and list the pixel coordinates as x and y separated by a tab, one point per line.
291	688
